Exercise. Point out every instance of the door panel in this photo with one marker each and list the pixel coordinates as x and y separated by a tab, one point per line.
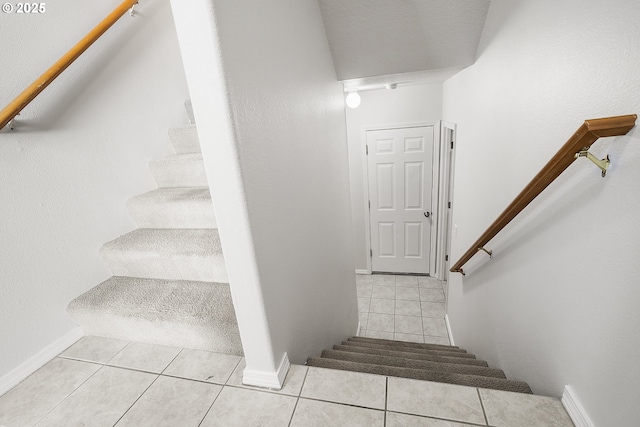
400	184
385	178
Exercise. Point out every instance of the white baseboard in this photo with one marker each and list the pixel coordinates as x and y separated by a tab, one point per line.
575	409
362	271
446	320
37	361
273	380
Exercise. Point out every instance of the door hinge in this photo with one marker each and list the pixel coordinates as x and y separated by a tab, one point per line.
449	205
446	257
366	149
371	253
452	145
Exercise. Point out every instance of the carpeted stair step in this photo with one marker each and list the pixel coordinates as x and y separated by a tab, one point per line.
373	359
424	375
409	344
180	207
386	346
415	356
179	170
172	254
179	313
185	139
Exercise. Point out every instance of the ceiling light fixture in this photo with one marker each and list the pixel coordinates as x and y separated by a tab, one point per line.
353	99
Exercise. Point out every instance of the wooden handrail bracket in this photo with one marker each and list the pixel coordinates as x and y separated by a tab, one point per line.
28	95
581	141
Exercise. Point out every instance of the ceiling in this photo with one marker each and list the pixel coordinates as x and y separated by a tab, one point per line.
408	39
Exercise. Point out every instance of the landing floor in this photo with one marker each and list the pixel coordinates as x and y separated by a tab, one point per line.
404	308
107	382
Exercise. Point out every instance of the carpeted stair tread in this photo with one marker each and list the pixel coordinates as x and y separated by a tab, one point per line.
179	170
179	313
409	344
400	362
424	375
185	139
178	207
172	254
409	349
414	356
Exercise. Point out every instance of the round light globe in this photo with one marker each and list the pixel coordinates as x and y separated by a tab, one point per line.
353	100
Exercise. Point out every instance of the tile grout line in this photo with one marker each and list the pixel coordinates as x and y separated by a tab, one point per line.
226	382
172	360
386	399
484	413
136	401
67	396
351	405
118	352
93	362
211	406
432	417
295	407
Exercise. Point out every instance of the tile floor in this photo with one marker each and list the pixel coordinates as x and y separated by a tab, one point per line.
107	382
405	308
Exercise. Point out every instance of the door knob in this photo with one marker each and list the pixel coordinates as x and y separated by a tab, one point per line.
427	214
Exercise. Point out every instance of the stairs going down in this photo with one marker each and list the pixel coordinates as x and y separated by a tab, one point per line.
426	362
169	283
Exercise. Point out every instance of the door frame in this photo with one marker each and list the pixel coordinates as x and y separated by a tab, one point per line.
445	190
434	193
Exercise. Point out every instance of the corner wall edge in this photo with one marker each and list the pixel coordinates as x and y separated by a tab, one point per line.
272	380
575	409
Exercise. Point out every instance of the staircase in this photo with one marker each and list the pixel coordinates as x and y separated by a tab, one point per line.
427	362
169	283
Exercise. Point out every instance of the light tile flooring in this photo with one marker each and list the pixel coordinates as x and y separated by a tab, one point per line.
107	382
405	308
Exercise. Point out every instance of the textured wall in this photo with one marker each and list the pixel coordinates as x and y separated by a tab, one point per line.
406	105
79	152
558	303
271	125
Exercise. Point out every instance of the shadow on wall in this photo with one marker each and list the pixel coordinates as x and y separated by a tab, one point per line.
567	195
112	46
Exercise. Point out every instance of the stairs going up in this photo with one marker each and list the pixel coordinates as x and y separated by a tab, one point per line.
170	283
427	362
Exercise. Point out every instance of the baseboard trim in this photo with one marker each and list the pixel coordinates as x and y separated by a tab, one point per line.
37	361
446	320
362	271
575	409
272	380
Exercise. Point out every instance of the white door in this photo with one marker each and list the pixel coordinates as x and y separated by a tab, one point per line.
400	184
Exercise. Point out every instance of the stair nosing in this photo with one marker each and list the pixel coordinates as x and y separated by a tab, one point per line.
416	356
407	343
398	362
412	350
406	372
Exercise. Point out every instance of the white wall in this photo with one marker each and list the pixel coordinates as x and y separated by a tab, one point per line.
418	103
79	151
558	303
270	116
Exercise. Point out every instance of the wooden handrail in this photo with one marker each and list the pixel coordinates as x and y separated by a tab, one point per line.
584	137
22	100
